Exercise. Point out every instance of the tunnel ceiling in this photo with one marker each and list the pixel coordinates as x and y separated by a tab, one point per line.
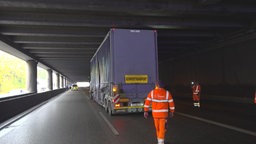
64	34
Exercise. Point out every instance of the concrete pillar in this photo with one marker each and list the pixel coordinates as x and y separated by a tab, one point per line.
32	76
66	84
62	85
58	80
50	83
64	81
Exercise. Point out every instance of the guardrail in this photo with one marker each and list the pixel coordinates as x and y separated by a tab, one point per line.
12	106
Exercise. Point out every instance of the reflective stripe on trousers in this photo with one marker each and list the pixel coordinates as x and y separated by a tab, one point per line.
160	129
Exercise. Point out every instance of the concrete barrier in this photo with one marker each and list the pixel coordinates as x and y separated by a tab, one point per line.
12	106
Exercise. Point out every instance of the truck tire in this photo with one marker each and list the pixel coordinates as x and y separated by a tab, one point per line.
106	106
91	96
109	109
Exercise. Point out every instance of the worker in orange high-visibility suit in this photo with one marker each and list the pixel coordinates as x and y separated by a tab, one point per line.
196	89
162	105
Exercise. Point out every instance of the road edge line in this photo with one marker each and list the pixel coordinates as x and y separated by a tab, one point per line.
218	124
115	132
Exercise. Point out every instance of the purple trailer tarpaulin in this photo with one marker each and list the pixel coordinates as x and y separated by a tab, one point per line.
127	58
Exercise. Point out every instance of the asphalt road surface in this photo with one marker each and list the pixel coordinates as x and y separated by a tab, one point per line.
72	118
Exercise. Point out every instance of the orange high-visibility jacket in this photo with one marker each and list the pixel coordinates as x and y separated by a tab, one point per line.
161	101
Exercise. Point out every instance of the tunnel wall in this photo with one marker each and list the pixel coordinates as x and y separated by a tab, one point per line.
223	72
12	106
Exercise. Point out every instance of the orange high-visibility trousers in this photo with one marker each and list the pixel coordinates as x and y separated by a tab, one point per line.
160	128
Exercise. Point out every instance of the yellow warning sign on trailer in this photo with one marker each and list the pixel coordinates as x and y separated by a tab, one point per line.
129	79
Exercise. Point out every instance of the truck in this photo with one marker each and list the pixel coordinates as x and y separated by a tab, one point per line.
124	69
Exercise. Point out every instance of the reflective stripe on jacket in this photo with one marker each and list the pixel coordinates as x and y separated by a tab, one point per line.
161	101
196	89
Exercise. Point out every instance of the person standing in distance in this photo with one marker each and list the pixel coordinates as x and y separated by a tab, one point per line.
162	106
196	90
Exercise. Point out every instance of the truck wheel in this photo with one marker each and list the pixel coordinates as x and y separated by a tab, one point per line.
91	96
109	110
106	106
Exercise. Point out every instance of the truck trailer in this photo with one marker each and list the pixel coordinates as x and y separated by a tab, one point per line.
124	69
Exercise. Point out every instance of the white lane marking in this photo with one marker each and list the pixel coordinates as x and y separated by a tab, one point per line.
219	124
109	124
